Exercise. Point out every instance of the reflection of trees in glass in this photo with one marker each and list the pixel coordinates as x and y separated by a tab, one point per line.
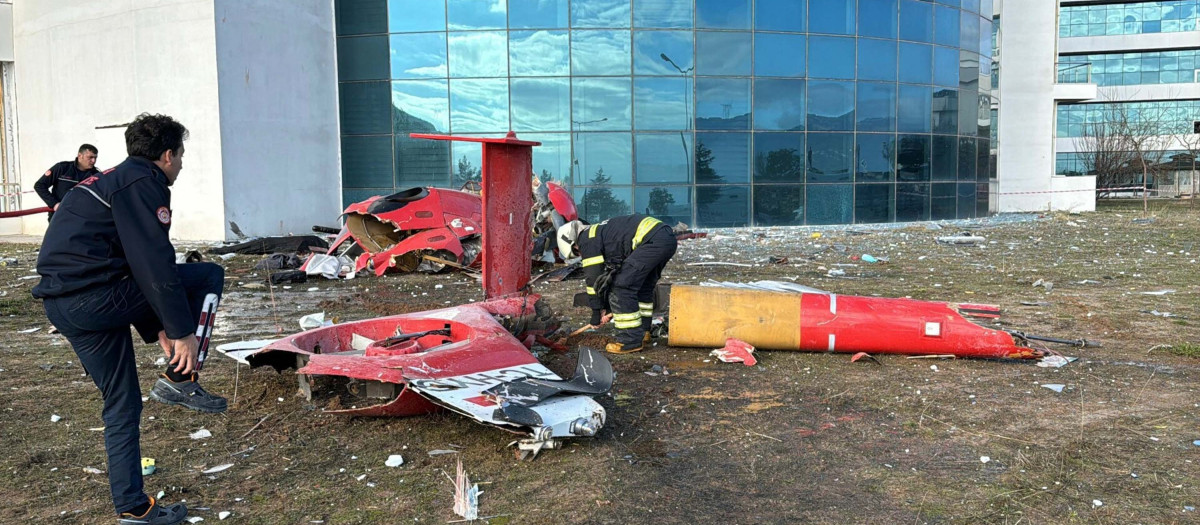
466	172
660	199
600	203
778	205
913	159
782	165
705	174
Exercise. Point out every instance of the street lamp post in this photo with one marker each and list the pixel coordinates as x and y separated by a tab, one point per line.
575	137
687	110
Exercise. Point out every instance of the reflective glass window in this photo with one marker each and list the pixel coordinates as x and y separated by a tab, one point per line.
916	21
945	158
599	13
779	55
478	54
362	58
779	157
830	106
542	14
670	204
966	200
945	26
968	113
914	109
416	15
722	206
664	157
351	196
779	205
722	53
969	30
971	5
943	202
365	107
539	53
945	66
601	104
421	162
781	15
476	14
954	3
604	158
830	157
874	203
662	52
541	104
912	202
722	103
983	160
662	103
600	52
601	203
361	17
367	162
916	63
722	158
779	104
831	16
418	55
966	158
877	18
465	160
723	14
913	157
479	105
945	111
875	157
420	106
968	70
551	160
831	57
673	14
829	204
876	59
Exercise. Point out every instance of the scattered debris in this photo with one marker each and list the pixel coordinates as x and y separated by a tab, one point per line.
466	495
1055	387
330	267
984	459
92	470
441	452
200	434
394	460
769	286
1159	292
934	368
735	351
223	514
836	272
1056	361
861	355
30	330
269	245
868	258
1097	503
218	468
777	260
1157	313
289	277
962	238
316	320
1035	303
55	418
933	356
1049	286
719	263
279	261
195	519
148	466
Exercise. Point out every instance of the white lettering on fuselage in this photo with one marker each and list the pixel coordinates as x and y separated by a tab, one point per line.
482	379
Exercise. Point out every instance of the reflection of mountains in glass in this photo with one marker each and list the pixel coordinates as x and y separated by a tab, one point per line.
419	162
736	122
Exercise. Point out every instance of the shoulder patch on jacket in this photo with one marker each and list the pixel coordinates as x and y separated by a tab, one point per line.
164	215
47	173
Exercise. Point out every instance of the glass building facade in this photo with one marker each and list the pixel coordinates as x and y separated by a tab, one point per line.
1128	69
1176	117
718	113
1132	18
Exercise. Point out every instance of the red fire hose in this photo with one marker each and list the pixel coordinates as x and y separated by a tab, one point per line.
19	213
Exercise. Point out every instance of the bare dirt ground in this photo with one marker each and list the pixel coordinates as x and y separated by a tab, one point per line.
800	437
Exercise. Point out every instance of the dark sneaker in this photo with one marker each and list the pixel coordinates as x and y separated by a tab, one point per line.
618	348
156	515
188	394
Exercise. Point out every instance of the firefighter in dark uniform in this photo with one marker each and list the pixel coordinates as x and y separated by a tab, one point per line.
623	258
53	185
107	263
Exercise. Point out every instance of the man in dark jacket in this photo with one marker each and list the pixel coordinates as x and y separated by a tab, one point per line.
53	185
623	259
107	263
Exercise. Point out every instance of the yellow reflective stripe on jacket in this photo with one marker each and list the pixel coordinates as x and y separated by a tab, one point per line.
625	325
592	231
590	261
591	291
644	227
635	316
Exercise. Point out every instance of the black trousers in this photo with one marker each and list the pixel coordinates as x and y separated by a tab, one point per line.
96	323
632	296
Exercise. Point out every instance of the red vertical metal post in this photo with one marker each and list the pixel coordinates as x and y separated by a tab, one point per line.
507	203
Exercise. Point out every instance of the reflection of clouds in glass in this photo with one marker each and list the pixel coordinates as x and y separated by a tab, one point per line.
722	53
664	157
476	14
722	103
600	13
723	14
661	103
537	53
416	15
662	13
537	13
779	104
553	156
779	55
541	104
601	98
611	152
418	56
424	100
479	105
600	52
649	46
478	54
830	106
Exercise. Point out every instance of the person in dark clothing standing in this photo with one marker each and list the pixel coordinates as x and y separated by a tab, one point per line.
53	185
107	263
623	259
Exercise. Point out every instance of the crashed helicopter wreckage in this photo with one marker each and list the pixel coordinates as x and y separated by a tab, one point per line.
472	359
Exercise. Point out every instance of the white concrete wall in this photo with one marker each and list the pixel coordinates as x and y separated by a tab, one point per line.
1118	43
88	63
277	77
1025	159
6	35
